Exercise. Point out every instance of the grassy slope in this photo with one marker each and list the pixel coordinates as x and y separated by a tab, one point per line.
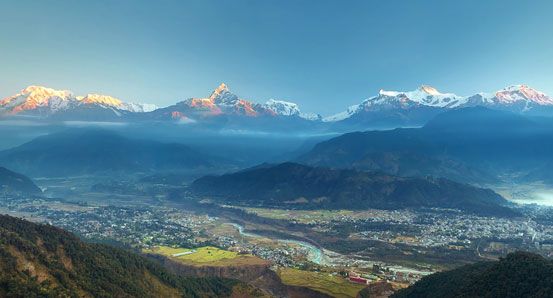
207	255
335	286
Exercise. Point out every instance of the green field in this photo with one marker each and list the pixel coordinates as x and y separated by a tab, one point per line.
207	255
324	282
299	215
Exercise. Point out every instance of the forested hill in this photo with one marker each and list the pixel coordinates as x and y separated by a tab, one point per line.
519	274
292	185
43	261
14	182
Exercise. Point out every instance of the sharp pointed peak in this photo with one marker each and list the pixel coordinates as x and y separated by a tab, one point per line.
221	89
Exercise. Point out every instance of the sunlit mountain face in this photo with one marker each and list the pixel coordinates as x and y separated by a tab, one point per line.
387	109
223	103
48	102
263	194
287	149
518	98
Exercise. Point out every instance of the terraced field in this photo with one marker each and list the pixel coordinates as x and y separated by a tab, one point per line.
207	255
324	282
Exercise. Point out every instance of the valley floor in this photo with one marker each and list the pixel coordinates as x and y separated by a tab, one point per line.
319	249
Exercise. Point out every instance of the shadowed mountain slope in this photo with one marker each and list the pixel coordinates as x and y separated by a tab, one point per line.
519	274
291	185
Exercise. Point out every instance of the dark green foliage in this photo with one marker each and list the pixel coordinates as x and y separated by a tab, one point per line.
69	267
520	274
280	185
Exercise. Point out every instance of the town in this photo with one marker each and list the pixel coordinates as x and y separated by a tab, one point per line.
139	227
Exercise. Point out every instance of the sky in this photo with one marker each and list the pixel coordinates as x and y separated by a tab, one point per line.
323	55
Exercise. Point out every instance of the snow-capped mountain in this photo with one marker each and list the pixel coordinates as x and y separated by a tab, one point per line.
36	98
283	108
224	109
108	101
48	102
389	100
286	108
428	100
424	95
223	103
516	98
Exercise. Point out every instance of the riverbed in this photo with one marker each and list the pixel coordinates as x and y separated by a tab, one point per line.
314	254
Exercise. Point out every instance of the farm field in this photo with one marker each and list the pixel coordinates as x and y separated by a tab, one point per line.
324	282
207	255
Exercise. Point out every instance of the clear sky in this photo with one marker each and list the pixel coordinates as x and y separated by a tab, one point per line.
324	55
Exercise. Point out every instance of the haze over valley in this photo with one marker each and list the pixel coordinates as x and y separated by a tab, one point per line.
276	149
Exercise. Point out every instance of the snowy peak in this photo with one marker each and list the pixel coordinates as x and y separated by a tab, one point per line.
424	95
222	95
35	97
282	108
110	101
39	92
223	102
429	90
517	93
223	88
100	99
516	98
48	101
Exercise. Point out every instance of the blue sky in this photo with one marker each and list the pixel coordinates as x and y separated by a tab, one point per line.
324	55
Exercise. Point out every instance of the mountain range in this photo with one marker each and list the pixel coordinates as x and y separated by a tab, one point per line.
390	109
224	109
303	187
476	145
46	102
98	151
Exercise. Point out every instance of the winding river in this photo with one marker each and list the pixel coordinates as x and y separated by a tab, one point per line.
314	254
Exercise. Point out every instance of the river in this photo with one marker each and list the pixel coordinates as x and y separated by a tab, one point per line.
314	254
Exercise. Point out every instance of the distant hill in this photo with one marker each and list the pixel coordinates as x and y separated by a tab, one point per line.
519	274
14	182
291	185
93	151
475	145
43	261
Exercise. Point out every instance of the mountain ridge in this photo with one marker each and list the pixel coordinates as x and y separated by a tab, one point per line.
299	186
473	145
14	182
387	108
42	101
95	151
